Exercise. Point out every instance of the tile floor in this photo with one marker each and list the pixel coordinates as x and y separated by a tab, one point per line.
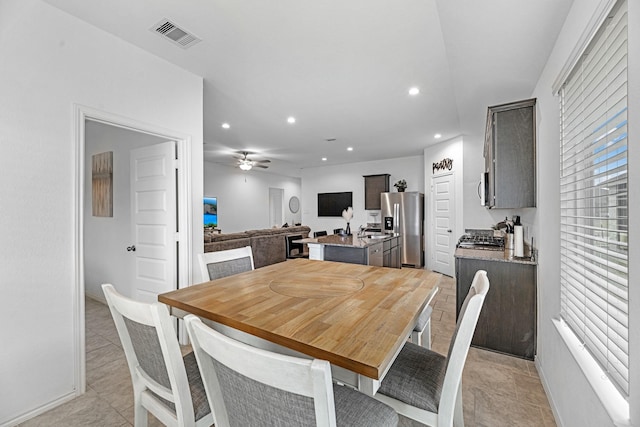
498	390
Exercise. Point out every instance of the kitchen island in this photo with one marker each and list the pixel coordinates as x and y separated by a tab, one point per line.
507	323
377	249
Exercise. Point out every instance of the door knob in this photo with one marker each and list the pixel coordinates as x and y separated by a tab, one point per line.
131	248
448	231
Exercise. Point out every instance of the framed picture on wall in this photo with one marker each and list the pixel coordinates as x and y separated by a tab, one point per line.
210	212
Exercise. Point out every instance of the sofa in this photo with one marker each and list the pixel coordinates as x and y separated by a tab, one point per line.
268	245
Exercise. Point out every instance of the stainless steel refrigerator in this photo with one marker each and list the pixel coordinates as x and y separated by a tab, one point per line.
403	213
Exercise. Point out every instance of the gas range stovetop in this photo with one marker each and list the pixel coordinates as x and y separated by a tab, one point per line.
481	239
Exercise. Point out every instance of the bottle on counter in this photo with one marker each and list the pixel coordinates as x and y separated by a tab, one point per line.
518	238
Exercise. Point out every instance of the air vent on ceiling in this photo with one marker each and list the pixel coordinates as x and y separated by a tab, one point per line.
175	34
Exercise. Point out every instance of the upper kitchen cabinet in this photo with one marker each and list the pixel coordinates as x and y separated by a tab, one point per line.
510	155
373	186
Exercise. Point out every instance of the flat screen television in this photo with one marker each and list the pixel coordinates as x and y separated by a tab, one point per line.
210	212
332	204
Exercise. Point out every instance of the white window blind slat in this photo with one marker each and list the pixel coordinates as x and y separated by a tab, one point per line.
616	302
593	199
600	265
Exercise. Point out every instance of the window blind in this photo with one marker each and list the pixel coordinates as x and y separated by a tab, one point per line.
593	189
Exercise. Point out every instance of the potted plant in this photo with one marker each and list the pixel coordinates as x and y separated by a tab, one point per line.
401	185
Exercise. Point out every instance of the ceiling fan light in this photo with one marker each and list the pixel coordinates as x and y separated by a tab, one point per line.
245	166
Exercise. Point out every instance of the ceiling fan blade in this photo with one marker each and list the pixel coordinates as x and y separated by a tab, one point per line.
243	161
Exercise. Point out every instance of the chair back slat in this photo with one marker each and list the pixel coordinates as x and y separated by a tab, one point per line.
247	400
218	264
146	346
230	267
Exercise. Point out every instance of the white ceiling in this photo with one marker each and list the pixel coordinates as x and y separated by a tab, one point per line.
343	68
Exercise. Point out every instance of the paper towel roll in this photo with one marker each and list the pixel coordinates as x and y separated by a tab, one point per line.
518	241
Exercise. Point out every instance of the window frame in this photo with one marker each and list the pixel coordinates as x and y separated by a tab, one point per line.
569	323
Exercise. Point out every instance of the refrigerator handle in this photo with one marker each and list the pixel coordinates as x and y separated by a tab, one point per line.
396	217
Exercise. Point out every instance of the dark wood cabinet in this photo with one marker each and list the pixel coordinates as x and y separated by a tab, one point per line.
510	155
369	255
373	186
391	253
507	322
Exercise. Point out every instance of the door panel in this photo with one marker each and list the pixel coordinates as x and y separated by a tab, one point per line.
443	224
154	220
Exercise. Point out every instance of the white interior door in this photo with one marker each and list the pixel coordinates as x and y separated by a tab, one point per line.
443	205
153	220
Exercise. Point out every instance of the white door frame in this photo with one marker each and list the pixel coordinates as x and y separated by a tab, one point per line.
183	142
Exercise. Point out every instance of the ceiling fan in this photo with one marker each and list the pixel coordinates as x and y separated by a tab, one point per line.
245	163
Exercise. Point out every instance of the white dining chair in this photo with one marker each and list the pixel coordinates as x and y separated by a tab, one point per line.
214	265
421	334
164	382
426	386
249	386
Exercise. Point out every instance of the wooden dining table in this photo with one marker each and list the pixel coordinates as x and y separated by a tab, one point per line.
357	317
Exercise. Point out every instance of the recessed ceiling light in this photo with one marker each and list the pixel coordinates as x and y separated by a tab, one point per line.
324	159
349	148
291	120
226	126
414	91
437	136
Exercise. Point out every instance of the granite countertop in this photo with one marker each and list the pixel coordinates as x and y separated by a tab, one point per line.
502	256
352	240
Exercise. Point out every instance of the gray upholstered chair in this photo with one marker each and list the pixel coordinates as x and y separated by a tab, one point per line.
164	382
426	386
319	233
249	386
214	265
421	334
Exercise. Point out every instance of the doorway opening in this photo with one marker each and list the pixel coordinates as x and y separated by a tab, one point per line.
108	241
276	214
88	124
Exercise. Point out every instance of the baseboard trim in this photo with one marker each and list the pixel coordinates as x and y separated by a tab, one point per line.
99	298
547	390
40	410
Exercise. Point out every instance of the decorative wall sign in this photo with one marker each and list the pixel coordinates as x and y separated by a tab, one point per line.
102	184
442	165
